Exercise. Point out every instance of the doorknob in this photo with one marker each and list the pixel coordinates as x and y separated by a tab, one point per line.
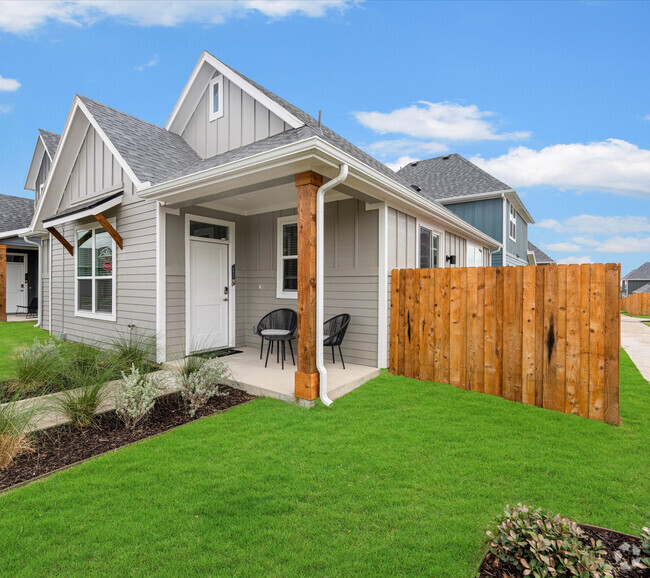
225	298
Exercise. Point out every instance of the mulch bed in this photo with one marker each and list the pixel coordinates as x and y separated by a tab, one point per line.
612	542
65	445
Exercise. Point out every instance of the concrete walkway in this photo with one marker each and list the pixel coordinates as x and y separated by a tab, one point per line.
635	339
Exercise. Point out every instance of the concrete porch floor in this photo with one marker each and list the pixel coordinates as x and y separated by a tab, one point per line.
250	375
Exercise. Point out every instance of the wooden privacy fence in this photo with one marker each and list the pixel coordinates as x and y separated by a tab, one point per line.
546	335
637	304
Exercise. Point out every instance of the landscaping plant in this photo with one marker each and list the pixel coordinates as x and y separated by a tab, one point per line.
135	396
539	544
645	545
199	380
35	366
14	428
133	348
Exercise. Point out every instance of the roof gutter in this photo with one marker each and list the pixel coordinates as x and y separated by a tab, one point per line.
320	278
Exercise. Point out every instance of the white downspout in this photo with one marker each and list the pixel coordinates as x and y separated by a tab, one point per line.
39	272
320	278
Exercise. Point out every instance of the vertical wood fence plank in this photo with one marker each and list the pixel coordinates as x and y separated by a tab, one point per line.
572	401
463	328
509	337
424	320
446	344
455	330
540	348
438	328
471	290
431	319
550	336
560	393
480	352
500	377
528	335
410	324
597	343
584	402
394	321
518	332
489	332
401	354
612	341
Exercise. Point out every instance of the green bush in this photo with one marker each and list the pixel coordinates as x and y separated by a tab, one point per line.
35	367
539	544
135	396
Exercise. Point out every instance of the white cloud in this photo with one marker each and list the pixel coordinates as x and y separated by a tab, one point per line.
147	64
401	162
598	224
575	260
5	108
8	84
21	17
613	165
616	244
437	120
562	247
646	117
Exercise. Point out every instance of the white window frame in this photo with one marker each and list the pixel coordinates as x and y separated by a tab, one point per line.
219	113
475	248
82	312
437	233
512	221
280	292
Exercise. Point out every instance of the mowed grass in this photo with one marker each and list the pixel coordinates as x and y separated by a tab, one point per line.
13	335
637	316
398	477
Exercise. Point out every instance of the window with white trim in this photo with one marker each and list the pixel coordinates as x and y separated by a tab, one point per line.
287	268
429	249
95	275
513	223
216	98
474	255
44	257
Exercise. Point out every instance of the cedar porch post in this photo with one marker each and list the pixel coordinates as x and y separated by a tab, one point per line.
306	384
3	282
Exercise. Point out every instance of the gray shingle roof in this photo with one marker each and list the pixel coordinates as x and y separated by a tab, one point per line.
15	212
450	176
639	274
51	141
643	289
153	153
540	257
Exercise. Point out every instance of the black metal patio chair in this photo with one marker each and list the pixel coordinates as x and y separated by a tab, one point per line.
277	326
31	309
333	333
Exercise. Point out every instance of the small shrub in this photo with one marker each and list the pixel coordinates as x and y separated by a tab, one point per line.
35	366
14	436
135	396
133	348
80	404
539	544
645	545
199	380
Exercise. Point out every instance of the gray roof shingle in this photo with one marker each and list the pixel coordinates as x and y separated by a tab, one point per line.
541	258
643	289
51	141
15	212
450	176
640	273
153	153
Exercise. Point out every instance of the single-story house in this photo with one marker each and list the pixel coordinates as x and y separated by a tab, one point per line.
195	230
537	257
478	198
636	279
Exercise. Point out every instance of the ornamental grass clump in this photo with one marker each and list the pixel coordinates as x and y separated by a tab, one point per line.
199	380
35	367
133	348
135	396
537	543
14	432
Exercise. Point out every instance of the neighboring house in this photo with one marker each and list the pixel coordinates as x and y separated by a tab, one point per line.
537	257
194	231
636	279
477	197
22	256
644	289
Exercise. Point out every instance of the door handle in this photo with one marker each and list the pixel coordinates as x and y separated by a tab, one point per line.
225	298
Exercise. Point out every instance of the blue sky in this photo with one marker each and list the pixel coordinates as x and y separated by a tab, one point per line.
550	97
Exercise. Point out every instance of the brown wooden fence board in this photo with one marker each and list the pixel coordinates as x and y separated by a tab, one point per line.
637	304
546	335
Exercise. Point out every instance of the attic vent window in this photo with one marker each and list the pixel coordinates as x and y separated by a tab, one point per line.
216	98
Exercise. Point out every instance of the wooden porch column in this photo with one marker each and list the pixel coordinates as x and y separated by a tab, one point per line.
306	384
3	282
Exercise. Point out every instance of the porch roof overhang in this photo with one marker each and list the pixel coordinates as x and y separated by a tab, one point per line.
310	154
89	209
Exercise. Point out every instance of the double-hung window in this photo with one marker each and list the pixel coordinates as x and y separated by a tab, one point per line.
513	223
95	274
287	268
429	249
474	255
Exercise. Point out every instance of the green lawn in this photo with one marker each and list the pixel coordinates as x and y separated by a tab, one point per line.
398	477
11	336
637	316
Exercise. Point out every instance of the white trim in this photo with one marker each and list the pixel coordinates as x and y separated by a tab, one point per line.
49	284
382	298
100	208
230	74
40	150
93	314
512	220
280	293
14	233
219	113
232	293
440	233
161	283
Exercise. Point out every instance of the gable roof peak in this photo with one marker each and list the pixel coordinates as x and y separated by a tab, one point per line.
51	141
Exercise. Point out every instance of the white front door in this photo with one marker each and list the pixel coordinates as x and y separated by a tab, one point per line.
16	290
209	296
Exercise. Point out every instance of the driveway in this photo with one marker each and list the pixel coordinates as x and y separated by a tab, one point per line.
635	339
